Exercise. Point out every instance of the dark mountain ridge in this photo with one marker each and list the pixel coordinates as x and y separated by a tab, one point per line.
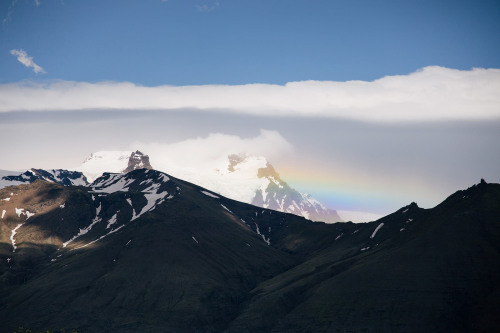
146	251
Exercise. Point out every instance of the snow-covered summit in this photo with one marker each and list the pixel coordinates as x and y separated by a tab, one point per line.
243	177
113	161
252	179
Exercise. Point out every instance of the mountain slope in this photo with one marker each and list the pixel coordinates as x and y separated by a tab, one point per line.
416	271
154	253
185	261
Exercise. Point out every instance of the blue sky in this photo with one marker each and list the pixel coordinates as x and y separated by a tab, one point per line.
188	42
367	105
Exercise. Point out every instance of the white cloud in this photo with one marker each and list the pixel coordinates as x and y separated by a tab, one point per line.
207	8
204	161
433	93
26	60
207	152
37	3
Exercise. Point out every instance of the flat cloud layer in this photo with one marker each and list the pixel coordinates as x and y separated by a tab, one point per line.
432	93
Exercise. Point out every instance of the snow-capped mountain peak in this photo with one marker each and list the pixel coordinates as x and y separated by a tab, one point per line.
113	161
243	177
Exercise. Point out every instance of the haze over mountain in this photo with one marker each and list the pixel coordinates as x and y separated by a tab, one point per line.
146	251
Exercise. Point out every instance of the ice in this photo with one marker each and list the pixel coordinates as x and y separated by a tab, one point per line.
365	248
3	213
355	231
14	231
62	206
210	194
377	229
339	236
128	242
401	229
194	238
6	199
404	211
226	208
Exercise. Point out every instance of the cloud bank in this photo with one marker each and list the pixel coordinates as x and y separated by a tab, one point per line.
430	94
26	60
209	152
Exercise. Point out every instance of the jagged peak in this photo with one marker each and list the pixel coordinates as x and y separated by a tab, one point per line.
137	160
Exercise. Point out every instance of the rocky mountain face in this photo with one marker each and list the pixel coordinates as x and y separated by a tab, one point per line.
145	251
137	160
278	195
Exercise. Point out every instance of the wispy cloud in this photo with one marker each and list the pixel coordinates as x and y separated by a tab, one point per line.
207	8
26	60
9	12
431	94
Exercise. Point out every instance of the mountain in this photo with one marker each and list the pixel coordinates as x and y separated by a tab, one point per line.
113	161
242	177
59	176
145	251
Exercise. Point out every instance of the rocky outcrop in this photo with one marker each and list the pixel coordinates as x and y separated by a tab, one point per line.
138	160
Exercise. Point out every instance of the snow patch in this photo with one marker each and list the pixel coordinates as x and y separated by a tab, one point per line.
62	206
339	236
98	239
267	240
377	229
19	211
12	239
112	220
226	208
365	248
3	213
83	231
210	194
194	238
